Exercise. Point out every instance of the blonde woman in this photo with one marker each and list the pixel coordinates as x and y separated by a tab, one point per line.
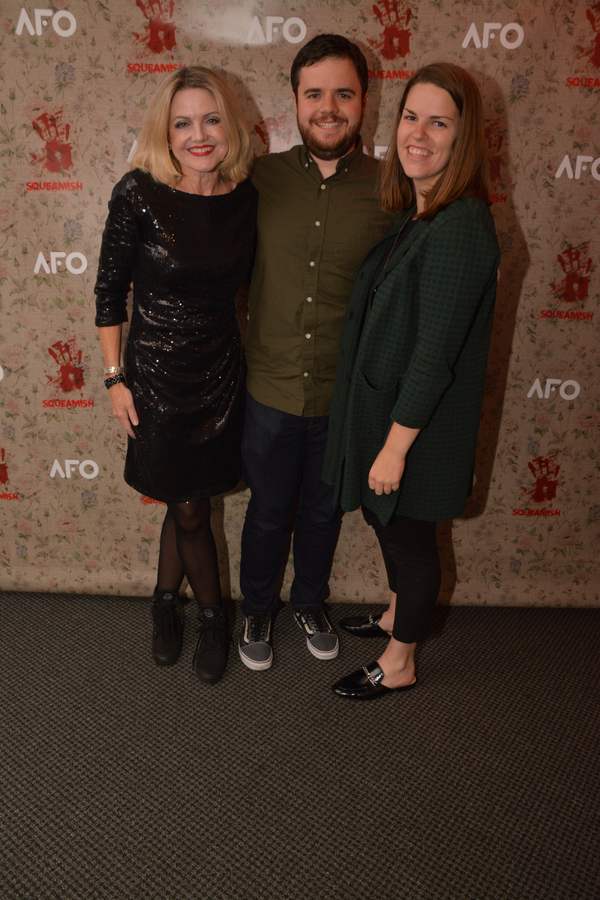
181	227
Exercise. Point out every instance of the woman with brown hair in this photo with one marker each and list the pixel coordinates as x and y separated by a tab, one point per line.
181	226
411	369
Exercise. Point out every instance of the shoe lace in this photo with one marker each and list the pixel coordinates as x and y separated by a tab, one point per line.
211	632
258	628
316	621
164	619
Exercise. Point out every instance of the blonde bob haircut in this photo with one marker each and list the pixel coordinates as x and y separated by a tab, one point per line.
466	172
154	154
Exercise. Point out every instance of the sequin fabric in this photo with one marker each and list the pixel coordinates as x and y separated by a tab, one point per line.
187	255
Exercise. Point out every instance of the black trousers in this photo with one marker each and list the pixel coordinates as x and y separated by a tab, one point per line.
412	561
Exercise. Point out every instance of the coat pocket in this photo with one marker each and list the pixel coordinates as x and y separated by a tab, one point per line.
370	420
369	424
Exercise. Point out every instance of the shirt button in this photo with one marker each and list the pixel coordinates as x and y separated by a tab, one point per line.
311	263
317	224
323	186
309	299
308	336
306	374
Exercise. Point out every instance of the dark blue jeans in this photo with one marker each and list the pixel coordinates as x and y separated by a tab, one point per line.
282	457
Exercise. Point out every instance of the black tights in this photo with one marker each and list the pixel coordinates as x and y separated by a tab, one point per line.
187	547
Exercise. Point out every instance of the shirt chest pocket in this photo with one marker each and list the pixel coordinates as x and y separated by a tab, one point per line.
351	240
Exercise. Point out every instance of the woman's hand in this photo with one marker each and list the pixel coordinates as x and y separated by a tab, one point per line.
123	407
120	396
386	472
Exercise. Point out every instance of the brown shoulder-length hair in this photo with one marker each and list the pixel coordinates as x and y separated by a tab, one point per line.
154	153
467	171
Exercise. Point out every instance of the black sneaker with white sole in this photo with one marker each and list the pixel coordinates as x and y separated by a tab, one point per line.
321	639
256	651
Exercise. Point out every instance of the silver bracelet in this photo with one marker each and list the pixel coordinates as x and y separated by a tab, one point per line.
113	370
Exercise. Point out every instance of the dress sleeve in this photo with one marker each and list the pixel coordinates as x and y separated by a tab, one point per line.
117	255
456	273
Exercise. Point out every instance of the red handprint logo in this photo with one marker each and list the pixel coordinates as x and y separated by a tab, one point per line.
3	467
70	374
545	471
393	16
593	52
160	35
576	263
56	155
494	141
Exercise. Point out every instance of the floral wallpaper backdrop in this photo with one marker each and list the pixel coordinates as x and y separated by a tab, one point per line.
76	81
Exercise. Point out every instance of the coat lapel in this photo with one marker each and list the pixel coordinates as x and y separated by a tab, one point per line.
360	294
400	251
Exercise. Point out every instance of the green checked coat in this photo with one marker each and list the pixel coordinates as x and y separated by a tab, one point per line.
417	357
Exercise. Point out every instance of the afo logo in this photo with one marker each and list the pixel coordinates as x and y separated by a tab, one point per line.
63	22
293	30
581	165
75	263
568	390
510	36
87	468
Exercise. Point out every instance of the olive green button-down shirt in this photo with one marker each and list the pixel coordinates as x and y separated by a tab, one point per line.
313	234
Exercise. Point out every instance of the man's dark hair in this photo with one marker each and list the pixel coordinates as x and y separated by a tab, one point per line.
326	46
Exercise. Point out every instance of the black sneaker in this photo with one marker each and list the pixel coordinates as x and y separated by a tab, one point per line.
210	658
254	645
167	628
321	639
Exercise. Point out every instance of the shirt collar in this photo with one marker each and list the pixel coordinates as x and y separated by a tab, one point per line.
344	165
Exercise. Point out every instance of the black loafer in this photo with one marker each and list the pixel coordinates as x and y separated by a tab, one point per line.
365	683
364	626
167	628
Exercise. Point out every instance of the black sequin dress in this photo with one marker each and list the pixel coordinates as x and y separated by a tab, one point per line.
187	255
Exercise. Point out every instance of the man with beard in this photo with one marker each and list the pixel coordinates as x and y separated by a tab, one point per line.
318	217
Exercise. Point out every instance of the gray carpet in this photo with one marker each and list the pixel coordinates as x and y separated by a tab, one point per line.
121	780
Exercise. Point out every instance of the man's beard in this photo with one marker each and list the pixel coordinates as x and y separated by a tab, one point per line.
328	151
